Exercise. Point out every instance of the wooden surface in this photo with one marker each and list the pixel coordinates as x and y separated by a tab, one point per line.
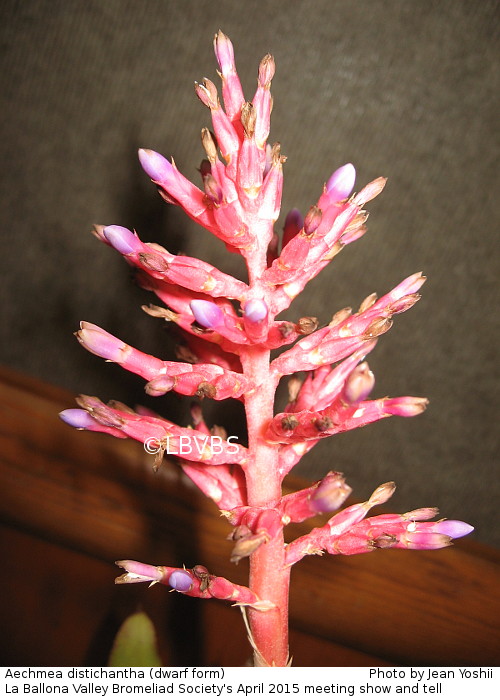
73	502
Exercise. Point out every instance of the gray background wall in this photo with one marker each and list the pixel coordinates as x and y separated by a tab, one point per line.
406	89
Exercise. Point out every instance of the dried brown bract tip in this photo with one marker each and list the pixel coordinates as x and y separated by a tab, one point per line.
307	325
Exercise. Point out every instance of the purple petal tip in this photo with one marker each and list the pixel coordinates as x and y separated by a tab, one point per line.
454	528
359	384
155	165
122	239
76	417
341	182
180	581
206	313
255	310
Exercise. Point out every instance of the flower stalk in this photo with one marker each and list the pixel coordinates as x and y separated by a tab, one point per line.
229	329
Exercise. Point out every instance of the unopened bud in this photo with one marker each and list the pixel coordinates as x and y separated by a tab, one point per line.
255	310
359	384
77	418
180	581
453	528
155	165
330	494
122	239
341	183
207	314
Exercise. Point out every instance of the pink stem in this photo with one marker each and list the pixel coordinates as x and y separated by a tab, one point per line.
269	577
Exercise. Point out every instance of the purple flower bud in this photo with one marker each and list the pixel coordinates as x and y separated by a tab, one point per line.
255	310
180	581
77	418
122	239
453	528
155	165
359	384
330	494
341	183
207	314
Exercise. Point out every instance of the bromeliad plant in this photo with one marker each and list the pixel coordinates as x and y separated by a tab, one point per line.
230	329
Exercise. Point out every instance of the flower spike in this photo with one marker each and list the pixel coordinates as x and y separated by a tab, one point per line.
231	343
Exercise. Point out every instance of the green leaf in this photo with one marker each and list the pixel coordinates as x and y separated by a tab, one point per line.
135	643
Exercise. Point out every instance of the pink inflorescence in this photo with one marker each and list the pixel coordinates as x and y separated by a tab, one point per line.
226	323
